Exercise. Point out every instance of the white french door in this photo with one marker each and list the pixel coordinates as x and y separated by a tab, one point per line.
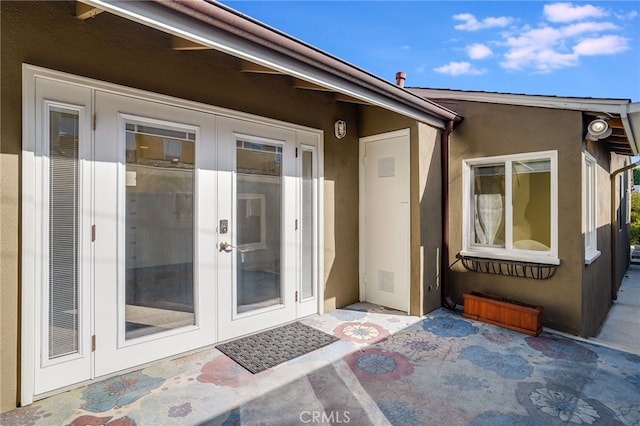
154	226
155	258
257	230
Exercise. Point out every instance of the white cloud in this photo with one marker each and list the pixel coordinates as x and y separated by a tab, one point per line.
567	12
479	51
548	48
607	45
470	23
458	68
587	28
542	60
568	32
629	16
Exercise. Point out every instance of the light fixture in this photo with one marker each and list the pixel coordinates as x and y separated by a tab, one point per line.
340	128
598	129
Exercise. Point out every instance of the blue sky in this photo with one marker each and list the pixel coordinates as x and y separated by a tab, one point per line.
580	48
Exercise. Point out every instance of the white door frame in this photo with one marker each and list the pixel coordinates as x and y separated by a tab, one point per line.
32	248
405	134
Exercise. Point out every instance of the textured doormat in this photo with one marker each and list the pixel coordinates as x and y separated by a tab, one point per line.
272	347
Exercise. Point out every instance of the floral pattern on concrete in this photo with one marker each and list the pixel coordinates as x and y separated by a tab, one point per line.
495	418
378	365
180	410
500	337
440	369
466	382
223	371
360	332
634	381
399	413
566	407
420	346
88	420
348	314
561	348
118	391
563	405
508	366
445	326
25	416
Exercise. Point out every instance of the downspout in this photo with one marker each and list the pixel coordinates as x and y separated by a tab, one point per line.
444	259
614	226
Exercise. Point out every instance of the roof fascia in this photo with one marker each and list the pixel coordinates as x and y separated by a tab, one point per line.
613	106
166	20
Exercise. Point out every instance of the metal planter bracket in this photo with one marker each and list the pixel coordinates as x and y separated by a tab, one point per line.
512	268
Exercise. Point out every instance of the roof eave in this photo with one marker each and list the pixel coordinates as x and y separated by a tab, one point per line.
218	27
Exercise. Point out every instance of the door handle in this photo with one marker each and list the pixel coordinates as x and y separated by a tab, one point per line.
224	246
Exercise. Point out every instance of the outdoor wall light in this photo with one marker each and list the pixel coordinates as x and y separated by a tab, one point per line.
598	129
340	128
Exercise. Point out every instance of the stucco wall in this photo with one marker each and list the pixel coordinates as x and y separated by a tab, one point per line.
112	49
599	281
493	129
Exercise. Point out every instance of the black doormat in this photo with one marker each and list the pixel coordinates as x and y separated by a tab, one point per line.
272	347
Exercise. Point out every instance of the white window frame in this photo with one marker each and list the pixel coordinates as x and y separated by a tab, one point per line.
508	252
590	208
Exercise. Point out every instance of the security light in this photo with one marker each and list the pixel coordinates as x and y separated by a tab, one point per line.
598	129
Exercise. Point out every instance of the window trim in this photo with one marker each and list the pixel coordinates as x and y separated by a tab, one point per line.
590	208
509	252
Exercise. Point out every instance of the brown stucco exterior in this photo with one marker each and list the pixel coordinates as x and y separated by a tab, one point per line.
577	298
115	50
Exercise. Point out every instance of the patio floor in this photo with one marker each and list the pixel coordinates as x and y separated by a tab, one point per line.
388	368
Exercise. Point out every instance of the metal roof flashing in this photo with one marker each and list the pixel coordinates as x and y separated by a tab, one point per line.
219	27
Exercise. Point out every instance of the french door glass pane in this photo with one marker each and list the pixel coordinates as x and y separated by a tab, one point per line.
307	225
258	231
63	232
159	229
488	205
531	183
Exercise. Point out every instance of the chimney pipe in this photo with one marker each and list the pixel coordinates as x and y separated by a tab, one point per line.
400	78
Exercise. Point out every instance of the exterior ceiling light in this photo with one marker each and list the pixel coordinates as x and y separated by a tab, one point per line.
598	129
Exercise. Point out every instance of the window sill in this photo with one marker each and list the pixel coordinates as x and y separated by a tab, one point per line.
591	257
511	256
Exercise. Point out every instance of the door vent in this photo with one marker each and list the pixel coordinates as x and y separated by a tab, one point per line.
386	167
386	281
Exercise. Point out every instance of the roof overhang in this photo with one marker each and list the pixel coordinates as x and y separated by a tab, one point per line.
213	25
624	116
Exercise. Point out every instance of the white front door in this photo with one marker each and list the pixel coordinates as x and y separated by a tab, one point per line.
385	220
155	244
257	227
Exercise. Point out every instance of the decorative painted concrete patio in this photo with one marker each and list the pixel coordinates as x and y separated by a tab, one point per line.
387	368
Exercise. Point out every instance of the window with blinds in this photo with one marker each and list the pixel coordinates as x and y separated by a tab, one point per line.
63	232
